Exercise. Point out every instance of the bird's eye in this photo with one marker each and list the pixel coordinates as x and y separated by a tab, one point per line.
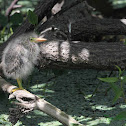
31	39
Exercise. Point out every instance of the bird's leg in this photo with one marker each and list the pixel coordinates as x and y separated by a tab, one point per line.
19	81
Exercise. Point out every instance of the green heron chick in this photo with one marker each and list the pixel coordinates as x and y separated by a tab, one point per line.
20	56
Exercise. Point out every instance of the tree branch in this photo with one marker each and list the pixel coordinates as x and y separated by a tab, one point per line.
82	55
86	27
29	102
59	53
11	7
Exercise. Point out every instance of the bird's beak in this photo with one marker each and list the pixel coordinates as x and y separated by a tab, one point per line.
38	40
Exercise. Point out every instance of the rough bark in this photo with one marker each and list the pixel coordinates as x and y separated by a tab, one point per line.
59	52
76	54
86	27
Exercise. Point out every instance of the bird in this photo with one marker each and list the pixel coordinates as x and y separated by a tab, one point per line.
20	56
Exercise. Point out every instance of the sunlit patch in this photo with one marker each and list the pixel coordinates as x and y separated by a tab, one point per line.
100	120
51	123
84	54
76	41
122	106
102	107
42	87
63	53
88	96
123	21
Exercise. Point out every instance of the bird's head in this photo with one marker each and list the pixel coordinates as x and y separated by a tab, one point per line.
34	38
30	37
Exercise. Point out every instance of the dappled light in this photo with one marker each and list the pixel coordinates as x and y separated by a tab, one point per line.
69	60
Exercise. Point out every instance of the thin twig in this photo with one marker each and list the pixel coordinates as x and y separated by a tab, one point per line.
10	8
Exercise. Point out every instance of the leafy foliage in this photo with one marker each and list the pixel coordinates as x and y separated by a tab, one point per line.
118	3
121	116
112	82
109	79
118	90
3	20
16	19
9	24
32	17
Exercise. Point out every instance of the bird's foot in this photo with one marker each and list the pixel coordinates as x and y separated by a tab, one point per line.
15	89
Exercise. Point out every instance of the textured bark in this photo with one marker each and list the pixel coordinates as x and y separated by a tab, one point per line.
76	54
86	27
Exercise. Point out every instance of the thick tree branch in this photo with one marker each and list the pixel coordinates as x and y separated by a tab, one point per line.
83	27
57	53
76	54
86	27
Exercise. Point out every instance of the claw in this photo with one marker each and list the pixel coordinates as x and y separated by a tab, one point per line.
19	81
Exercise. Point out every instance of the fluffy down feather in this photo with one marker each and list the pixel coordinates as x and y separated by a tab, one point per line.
20	56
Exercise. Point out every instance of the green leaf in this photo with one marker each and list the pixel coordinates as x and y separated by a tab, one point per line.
109	79
125	42
120	71
123	79
32	17
118	92
115	88
121	116
3	31
117	96
3	20
16	18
